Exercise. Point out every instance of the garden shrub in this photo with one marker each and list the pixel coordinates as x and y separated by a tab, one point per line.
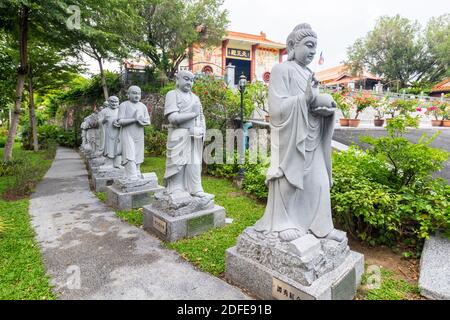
155	142
48	135
255	179
387	195
3	141
25	175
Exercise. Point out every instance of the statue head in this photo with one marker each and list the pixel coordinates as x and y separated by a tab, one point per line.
105	105
302	44
113	102
134	94
185	80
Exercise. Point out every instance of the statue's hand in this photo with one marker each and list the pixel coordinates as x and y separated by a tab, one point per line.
197	131
323	105
196	109
311	91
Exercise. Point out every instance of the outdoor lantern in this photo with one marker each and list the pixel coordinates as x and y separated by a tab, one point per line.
242	83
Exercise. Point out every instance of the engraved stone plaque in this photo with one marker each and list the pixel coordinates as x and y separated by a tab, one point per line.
283	291
160	225
345	287
199	225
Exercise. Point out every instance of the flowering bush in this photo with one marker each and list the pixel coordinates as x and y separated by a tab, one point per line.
434	111
343	103
444	108
362	102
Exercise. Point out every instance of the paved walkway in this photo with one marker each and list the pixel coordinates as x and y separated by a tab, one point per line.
90	253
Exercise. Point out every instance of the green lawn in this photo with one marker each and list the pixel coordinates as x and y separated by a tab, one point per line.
390	288
22	273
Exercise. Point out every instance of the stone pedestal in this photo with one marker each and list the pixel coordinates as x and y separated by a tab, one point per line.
103	178
95	163
305	269
126	195
171	229
175	217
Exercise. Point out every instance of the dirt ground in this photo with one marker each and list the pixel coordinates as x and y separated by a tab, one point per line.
406	269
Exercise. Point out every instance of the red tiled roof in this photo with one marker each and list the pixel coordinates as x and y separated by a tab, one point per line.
443	86
341	74
261	38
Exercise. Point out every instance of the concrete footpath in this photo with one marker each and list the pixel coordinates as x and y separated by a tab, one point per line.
89	253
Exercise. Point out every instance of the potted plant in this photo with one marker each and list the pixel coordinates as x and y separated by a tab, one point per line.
380	110
344	105
445	109
361	102
436	113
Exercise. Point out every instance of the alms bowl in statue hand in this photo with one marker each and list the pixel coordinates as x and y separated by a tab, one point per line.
323	105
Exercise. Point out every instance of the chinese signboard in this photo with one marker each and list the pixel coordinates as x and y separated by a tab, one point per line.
238	53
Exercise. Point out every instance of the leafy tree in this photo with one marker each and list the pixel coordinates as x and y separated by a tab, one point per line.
47	19
397	50
106	31
438	41
172	26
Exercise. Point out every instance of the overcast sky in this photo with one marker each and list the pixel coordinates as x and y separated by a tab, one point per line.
338	23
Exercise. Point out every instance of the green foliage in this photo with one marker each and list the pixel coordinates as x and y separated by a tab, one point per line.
49	135
171	26
23	275
3	226
25	173
343	103
438	40
387	195
255	180
401	51
391	288
155	142
221	105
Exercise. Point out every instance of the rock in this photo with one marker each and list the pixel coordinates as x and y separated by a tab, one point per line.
434	281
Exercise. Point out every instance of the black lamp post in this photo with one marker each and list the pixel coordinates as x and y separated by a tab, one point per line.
242	85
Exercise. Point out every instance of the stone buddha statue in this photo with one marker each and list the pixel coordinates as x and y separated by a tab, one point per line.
302	125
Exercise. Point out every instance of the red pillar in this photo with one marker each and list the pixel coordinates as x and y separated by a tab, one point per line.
224	55
253	63
282	52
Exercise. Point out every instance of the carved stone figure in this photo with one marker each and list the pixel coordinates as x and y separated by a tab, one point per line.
185	140
302	125
133	116
294	248
111	146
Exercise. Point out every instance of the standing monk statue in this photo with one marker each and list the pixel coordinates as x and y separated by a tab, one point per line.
302	125
111	147
185	140
133	116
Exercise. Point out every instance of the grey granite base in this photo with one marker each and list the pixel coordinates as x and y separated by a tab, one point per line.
173	228
126	195
339	284
434	281
102	179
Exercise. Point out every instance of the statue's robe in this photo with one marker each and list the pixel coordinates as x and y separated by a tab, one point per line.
111	144
299	177
184	151
132	136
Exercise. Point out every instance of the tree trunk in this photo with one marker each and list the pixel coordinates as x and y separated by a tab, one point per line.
103	79
32	113
21	75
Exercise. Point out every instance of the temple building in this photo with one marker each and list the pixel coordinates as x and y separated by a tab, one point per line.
251	55
442	88
341	76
